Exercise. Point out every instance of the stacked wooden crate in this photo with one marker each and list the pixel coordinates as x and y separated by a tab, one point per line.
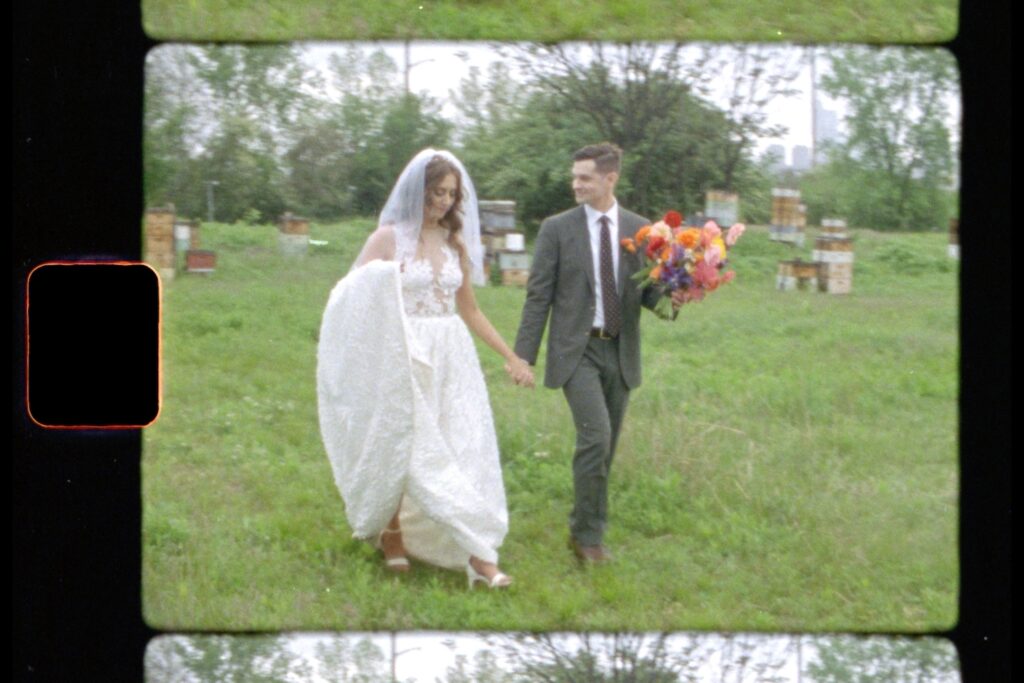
293	235
789	217
504	246
159	233
835	256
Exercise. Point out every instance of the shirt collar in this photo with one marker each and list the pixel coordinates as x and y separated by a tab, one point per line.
593	214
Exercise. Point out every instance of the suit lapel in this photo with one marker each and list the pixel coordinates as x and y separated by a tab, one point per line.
580	238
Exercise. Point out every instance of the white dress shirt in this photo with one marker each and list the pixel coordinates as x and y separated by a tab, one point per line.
594	227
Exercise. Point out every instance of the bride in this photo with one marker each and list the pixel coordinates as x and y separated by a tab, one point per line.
403	407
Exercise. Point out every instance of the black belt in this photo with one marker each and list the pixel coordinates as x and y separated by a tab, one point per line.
601	334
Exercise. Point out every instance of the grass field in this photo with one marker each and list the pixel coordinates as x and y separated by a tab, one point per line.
871	21
790	462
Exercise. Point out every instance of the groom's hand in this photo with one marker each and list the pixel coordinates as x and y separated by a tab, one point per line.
678	299
520	372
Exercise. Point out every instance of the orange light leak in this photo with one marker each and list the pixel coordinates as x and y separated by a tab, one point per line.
160	344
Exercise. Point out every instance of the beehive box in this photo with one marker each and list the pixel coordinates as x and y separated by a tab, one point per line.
833	227
789	217
293	245
159	241
515	277
200	261
293	225
513	260
723	207
497	216
797	274
836	278
493	243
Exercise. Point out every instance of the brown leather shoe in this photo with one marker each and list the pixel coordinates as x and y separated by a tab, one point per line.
590	554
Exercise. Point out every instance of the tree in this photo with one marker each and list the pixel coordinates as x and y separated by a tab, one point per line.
598	658
526	157
853	659
745	657
345	157
485	669
898	159
249	175
224	114
631	95
262	84
647	99
172	132
754	77
164	661
342	659
484	106
224	659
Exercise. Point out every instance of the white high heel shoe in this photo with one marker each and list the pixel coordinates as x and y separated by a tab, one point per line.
499	580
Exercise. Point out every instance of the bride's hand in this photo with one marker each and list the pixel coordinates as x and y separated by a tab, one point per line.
520	372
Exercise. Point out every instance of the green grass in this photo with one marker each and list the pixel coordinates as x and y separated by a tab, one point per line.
790	462
905	21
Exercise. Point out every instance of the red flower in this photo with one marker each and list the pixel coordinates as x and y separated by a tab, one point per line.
673	219
656	243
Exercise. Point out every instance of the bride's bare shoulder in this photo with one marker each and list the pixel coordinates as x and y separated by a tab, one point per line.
381	243
385	232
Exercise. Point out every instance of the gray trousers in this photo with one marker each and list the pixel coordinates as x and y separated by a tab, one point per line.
597	397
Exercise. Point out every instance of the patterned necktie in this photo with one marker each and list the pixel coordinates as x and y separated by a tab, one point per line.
612	311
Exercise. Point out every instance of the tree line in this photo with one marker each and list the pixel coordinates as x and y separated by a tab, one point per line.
247	133
562	658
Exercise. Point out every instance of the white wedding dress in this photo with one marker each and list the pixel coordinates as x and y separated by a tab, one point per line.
404	411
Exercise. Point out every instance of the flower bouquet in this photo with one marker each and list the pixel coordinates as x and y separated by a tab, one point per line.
677	257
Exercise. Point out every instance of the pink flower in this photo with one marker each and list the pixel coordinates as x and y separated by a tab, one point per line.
734	233
661	229
713	255
705	275
726	277
709	233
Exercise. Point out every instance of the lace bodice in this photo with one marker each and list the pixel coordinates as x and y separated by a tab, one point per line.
427	290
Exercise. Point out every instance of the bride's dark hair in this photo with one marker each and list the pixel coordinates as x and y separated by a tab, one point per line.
437	170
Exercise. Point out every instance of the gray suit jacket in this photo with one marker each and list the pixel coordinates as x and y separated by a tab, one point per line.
562	283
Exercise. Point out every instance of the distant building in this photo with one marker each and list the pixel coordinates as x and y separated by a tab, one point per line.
826	130
777	154
801	158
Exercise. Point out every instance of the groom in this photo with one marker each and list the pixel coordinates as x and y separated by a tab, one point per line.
582	277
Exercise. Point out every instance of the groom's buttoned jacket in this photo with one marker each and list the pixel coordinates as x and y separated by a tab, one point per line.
562	282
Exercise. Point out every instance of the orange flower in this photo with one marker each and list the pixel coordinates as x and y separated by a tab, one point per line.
666	254
688	238
629	245
642	233
656	272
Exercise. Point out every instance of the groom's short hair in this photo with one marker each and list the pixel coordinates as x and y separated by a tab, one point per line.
607	157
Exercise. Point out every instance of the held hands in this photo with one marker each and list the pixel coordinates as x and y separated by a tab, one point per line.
520	372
